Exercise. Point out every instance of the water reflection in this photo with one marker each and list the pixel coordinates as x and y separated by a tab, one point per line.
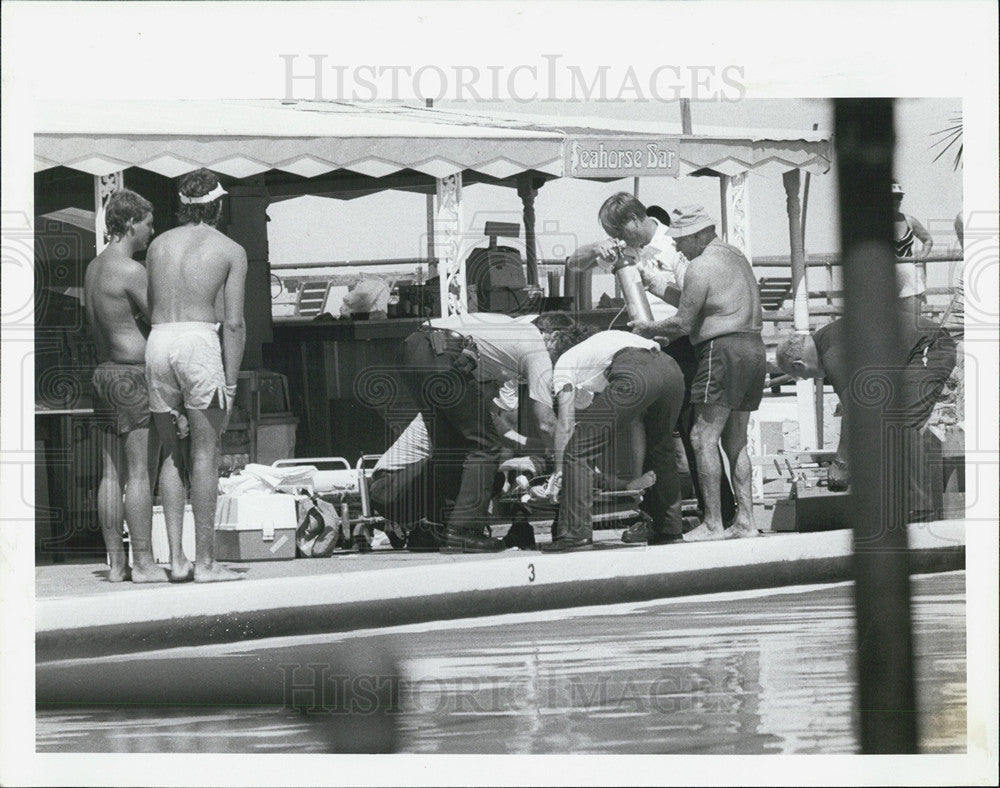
728	674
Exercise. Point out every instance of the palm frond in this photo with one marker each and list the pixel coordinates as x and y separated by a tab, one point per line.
947	137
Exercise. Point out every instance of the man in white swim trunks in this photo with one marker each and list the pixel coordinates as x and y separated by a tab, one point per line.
196	276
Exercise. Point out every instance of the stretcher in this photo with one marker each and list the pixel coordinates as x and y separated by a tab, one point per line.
344	485
611	509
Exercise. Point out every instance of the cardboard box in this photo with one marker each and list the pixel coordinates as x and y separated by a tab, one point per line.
813	509
255	526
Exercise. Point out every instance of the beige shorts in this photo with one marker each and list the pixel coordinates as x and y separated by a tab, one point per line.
184	367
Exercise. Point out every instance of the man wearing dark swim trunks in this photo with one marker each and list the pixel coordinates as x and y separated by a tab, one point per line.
720	310
118	314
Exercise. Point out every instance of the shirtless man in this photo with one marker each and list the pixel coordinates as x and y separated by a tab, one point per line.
910	279
720	310
192	269
662	268
115	296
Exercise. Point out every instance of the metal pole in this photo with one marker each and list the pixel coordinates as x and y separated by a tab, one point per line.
805	390
865	140
430	212
685	116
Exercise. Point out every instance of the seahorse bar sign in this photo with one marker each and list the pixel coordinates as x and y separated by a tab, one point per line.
617	157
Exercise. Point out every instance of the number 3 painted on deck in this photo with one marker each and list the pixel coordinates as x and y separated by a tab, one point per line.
531	573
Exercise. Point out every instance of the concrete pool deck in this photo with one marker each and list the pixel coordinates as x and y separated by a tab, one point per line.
78	613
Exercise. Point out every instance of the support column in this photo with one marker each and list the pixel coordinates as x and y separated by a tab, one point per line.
448	244
735	210
805	390
248	201
527	193
430	227
104	187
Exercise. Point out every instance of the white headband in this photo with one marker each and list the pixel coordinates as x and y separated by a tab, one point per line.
217	192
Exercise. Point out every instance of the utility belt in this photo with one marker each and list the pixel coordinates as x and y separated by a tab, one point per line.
462	346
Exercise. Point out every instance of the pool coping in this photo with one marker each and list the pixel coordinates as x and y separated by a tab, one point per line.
163	616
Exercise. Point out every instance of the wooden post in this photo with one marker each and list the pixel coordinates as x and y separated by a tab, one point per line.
805	389
886	697
449	245
527	193
248	201
734	197
104	187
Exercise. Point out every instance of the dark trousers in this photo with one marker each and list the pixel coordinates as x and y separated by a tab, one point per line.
465	445
641	384
401	495
682	351
927	370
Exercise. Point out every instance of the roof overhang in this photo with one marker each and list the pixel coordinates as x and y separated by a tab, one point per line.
308	139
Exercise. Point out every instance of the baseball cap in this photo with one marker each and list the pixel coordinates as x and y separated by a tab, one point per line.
687	220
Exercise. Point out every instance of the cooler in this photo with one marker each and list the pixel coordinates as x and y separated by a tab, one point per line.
255	526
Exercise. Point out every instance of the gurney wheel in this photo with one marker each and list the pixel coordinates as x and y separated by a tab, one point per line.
397	542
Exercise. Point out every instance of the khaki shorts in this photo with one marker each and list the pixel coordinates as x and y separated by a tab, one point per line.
184	367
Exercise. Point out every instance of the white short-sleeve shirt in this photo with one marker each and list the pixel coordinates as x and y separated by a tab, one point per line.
582	366
509	350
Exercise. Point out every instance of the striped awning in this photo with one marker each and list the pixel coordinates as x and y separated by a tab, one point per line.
310	138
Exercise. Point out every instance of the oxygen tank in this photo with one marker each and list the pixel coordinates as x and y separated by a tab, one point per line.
630	281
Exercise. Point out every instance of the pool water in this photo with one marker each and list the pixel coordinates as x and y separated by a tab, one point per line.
756	672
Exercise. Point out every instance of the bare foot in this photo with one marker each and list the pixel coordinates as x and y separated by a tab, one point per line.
644	482
149	573
215	573
704	533
118	574
740	532
181	572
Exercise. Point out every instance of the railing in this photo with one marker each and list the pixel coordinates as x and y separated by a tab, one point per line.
552	274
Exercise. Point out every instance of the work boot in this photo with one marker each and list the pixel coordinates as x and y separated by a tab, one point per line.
566	544
425	536
463	540
637	533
